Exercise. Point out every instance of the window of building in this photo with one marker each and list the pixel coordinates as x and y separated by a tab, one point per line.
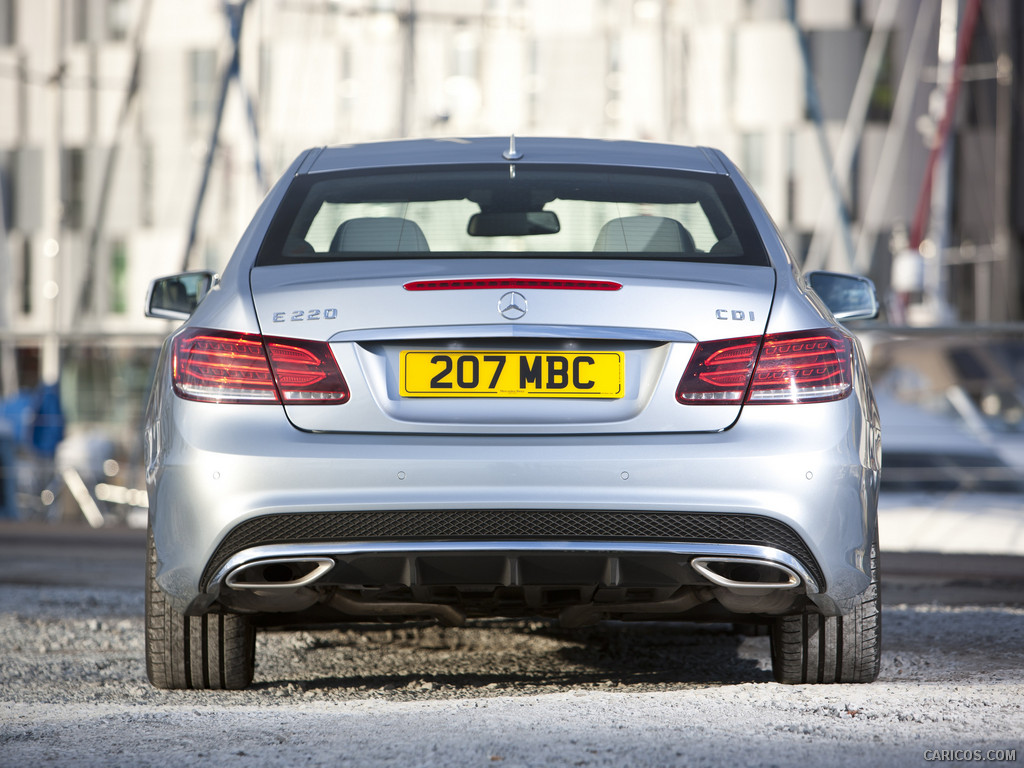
26	277
73	183
147	185
104	384
118	282
613	79
766	10
28	364
753	158
265	95
466	54
533	58
347	88
347	71
980	95
791	176
8	185
836	58
118	20
883	95
27	199
79	21
202	94
8	23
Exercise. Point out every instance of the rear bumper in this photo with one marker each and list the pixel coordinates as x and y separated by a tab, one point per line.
577	581
219	468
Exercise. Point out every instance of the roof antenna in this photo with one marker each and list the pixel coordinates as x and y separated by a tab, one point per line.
511	153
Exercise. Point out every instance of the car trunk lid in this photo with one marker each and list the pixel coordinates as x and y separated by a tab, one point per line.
512	346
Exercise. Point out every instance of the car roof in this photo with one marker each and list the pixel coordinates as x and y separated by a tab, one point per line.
530	150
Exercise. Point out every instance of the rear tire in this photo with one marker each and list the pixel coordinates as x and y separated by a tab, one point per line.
214	651
832	649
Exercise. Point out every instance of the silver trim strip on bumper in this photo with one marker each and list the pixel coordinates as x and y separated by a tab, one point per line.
761	555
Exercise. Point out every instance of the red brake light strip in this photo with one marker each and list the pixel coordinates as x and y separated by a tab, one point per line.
505	283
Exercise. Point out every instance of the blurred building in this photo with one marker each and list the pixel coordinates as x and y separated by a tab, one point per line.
108	111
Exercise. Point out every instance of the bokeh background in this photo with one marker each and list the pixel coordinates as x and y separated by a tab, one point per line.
137	138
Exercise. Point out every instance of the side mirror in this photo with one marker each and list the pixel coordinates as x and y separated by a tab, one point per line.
176	297
848	297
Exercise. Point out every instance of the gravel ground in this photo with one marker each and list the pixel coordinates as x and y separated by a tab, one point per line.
73	692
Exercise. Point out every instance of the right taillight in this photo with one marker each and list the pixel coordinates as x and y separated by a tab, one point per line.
801	367
227	367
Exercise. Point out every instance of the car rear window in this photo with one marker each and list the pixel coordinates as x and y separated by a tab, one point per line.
563	211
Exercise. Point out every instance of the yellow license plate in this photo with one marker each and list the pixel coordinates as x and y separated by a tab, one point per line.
511	374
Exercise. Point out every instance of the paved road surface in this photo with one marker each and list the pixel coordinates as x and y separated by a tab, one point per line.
514	693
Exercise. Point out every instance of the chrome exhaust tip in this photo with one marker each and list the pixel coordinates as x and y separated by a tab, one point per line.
743	574
279	573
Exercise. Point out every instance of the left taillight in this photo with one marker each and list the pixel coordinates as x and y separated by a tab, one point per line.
227	367
802	367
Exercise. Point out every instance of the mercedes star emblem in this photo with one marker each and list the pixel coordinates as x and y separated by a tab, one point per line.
512	305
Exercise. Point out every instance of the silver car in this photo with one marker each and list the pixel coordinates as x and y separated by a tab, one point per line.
574	379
